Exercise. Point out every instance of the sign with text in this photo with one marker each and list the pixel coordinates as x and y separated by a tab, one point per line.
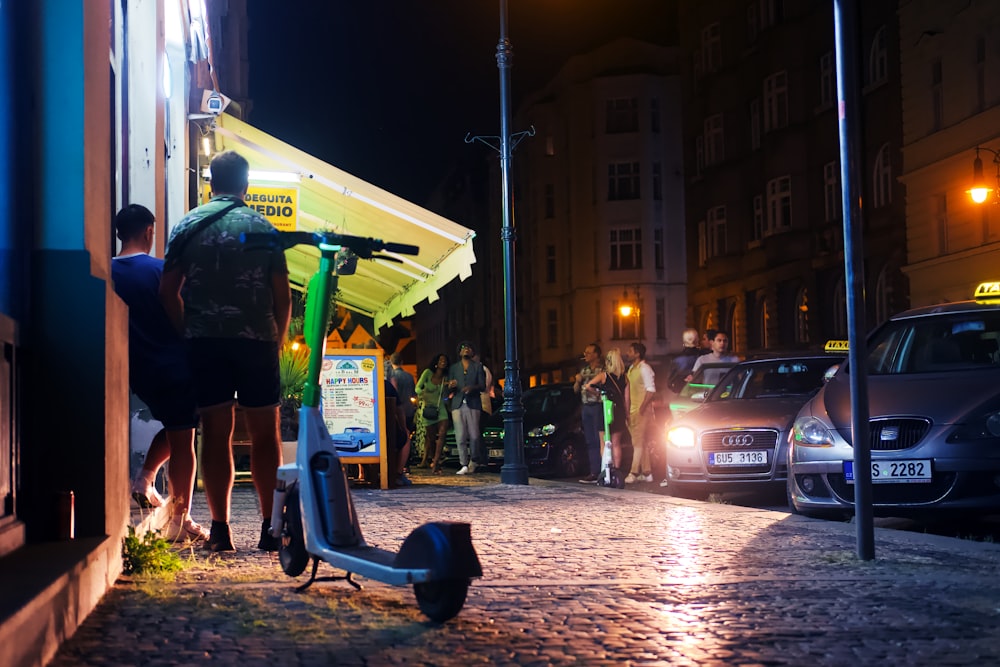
279	204
351	398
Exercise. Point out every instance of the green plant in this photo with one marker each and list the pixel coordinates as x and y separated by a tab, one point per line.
148	554
293	364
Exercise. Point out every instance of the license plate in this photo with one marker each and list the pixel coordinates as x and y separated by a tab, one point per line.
496	453
907	471
749	458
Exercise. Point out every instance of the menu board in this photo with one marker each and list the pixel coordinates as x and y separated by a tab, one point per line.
351	397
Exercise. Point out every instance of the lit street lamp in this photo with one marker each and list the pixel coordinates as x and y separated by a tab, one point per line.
981	189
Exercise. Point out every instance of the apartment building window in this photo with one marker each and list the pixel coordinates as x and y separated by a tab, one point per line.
775	101
802	316
711	48
626	249
758	218
827	80
882	178
550	200
654	115
878	59
622	115
770	13
762	320
661	319
941	222
779	205
550	263
716	219
937	96
714	139
831	192
702	244
657	181
552	326
840	310
658	248
699	156
623	181
980	73
755	123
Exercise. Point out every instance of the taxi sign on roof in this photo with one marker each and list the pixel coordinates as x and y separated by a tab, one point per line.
988	292
835	346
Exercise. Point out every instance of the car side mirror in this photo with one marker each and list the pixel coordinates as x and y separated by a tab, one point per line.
830	372
699	396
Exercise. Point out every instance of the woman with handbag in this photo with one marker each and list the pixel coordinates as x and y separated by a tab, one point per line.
432	389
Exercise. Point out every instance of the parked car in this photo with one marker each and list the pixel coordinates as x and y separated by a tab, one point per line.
736	439
553	440
694	392
934	418
353	439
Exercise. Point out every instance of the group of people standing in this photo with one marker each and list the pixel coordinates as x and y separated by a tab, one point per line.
459	391
630	383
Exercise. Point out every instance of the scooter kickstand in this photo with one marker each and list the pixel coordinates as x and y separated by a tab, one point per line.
312	577
350	579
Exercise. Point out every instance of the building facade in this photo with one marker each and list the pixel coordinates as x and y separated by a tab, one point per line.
951	106
100	101
598	205
763	187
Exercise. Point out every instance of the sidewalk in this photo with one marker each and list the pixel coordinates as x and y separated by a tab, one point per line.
573	574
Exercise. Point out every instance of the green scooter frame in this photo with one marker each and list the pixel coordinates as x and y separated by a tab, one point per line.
609	475
313	513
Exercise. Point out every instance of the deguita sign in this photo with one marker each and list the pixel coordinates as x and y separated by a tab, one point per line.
280	205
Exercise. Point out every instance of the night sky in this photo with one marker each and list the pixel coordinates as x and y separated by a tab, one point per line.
388	89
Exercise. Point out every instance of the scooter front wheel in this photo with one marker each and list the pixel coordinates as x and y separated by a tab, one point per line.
292	552
441	600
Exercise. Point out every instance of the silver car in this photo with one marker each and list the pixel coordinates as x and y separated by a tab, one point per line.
736	439
934	396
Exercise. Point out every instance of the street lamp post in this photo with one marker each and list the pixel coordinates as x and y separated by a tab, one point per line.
514	470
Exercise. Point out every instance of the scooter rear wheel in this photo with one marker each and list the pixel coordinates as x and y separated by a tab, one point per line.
441	600
292	552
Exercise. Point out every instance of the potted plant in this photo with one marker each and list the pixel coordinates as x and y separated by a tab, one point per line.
293	364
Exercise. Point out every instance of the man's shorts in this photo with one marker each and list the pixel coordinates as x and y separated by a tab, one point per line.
170	399
226	367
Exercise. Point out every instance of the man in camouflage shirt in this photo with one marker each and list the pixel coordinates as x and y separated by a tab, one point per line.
233	307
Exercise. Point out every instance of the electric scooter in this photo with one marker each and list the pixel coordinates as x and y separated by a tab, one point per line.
313	513
609	475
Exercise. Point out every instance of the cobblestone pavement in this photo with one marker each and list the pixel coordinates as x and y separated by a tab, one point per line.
573	575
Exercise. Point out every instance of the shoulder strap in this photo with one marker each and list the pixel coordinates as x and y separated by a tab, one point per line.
202	225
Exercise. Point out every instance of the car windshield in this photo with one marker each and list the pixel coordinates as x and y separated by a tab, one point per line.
549	400
706	378
772	379
935	344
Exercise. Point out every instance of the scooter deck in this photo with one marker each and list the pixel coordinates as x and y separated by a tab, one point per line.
368	553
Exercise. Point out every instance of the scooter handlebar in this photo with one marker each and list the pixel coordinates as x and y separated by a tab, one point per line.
361	246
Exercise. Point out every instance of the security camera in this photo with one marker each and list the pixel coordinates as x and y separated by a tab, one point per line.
214	104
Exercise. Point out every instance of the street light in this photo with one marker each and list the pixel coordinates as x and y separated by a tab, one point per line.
981	189
631	308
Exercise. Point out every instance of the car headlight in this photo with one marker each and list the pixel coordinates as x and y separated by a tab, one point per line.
681	437
985	426
811	432
542	431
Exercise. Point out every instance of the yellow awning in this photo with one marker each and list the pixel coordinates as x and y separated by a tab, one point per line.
332	199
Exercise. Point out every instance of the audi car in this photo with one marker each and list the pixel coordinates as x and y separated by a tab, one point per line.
735	440
934	418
